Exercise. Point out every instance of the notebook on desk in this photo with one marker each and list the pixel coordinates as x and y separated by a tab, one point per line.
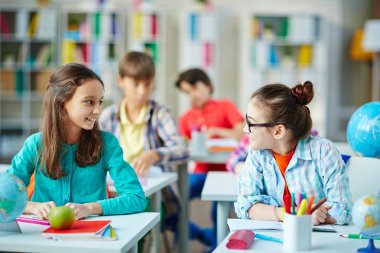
238	224
81	228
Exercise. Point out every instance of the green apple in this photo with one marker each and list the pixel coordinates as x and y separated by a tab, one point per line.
61	217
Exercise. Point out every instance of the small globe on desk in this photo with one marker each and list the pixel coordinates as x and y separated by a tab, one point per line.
366	217
363	130
13	197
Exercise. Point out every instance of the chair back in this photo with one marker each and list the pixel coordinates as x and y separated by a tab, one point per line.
364	176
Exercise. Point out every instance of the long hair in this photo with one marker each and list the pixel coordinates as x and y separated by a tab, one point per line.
62	86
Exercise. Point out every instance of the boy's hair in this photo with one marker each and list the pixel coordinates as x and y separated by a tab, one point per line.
137	65
192	76
287	106
62	86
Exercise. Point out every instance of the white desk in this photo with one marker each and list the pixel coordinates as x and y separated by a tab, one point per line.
153	186
4	167
321	243
129	229
221	187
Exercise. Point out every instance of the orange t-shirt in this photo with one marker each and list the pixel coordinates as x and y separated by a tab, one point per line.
282	162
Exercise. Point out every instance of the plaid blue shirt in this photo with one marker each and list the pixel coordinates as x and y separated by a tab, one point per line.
162	136
315	168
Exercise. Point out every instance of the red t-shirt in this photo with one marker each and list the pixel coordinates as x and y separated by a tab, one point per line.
215	113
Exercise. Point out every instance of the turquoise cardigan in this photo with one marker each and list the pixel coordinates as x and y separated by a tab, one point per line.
83	184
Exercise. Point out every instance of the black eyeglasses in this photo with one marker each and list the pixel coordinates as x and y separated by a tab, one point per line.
257	124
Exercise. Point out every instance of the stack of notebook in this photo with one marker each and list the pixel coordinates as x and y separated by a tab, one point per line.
83	230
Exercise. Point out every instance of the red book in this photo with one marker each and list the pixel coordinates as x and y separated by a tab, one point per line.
81	228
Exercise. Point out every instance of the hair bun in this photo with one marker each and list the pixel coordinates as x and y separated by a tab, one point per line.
303	93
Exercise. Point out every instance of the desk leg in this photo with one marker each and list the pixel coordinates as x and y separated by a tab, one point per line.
183	184
156	207
221	217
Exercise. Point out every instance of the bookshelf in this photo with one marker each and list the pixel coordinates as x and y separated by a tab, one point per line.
94	36
198	45
146	32
28	54
286	49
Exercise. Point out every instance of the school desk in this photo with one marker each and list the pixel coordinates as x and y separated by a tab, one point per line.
218	158
129	229
321	242
152	186
221	186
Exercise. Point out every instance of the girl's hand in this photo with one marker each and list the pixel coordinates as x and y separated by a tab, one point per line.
322	216
143	163
41	209
81	211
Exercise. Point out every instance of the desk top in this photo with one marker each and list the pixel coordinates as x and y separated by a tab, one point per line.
321	242
220	186
212	157
129	229
154	183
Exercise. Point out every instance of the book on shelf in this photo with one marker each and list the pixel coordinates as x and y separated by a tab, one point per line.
80	229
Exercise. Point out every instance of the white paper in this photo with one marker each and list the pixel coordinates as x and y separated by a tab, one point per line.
236	224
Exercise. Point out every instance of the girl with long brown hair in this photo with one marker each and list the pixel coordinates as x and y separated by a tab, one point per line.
71	156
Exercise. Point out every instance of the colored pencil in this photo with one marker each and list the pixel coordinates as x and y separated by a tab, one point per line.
357	236
268	238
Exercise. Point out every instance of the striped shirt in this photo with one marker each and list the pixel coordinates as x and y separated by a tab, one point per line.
315	168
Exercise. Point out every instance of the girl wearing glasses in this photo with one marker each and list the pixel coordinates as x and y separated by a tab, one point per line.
284	158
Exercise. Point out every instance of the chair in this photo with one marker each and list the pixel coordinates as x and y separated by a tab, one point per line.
364	174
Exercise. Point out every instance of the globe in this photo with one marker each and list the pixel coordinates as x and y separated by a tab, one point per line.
13	197
366	215
363	130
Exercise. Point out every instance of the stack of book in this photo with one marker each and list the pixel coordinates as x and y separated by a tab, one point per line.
83	230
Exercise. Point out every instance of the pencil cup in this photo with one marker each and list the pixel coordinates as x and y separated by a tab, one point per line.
198	143
297	232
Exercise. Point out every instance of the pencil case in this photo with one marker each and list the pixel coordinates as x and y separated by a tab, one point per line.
241	239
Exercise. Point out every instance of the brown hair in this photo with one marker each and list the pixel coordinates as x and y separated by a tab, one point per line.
62	85
192	76
137	65
287	106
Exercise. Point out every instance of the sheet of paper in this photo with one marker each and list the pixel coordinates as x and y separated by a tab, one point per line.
236	224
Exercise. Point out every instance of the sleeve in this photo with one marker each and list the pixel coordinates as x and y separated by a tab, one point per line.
335	182
174	148
131	197
251	188
239	155
234	116
24	162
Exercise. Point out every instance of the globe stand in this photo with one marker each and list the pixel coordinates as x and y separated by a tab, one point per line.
9	228
370	247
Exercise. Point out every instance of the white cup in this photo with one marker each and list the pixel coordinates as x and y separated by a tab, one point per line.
198	143
297	232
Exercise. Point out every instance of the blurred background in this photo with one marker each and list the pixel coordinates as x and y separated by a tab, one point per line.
242	44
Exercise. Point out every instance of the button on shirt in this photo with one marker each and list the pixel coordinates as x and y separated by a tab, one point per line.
315	168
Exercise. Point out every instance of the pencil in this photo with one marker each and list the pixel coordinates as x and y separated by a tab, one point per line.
309	205
268	238
321	202
357	236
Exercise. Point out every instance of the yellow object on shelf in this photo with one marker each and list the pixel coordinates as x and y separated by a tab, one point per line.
357	52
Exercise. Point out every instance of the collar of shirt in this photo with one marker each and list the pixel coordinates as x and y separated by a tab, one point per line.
124	118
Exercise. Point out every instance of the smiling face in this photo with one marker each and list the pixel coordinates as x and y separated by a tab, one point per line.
84	107
260	137
199	93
